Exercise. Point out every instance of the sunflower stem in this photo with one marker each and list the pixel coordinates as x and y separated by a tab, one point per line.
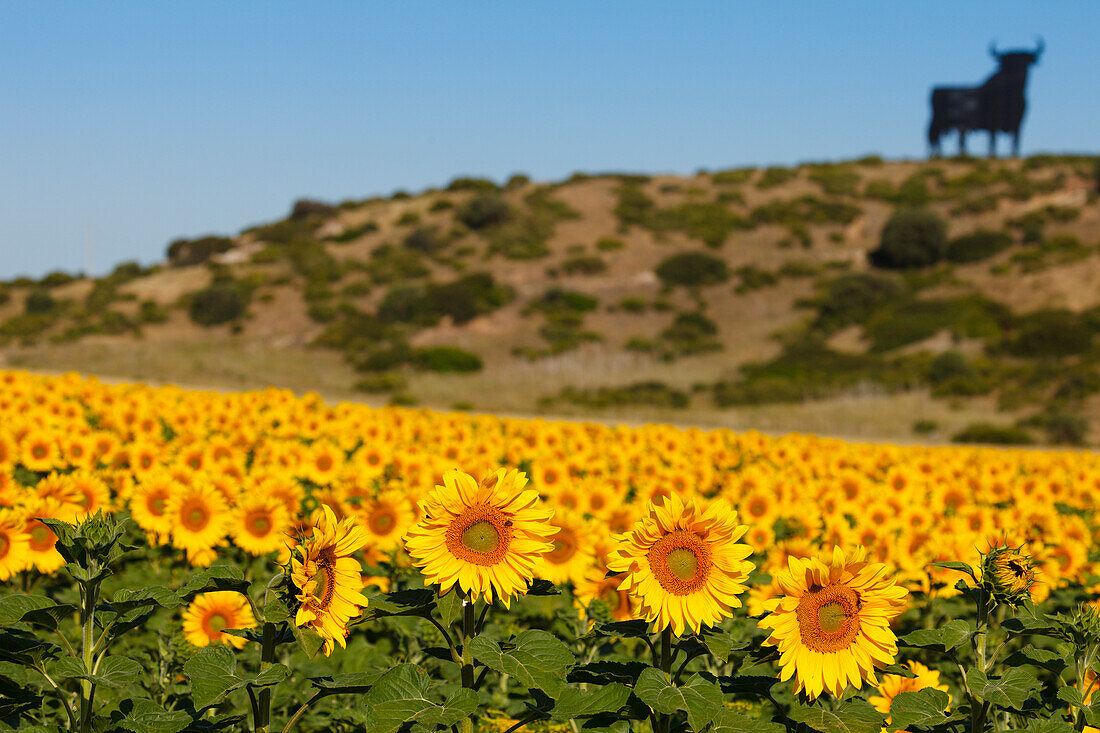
267	657
469	622
665	721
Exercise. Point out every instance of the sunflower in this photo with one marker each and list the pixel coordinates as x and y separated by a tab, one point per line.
209	613
41	551
385	519
684	565
40	451
328	579
14	544
572	554
149	503
260	524
832	622
487	538
199	517
894	684
92	494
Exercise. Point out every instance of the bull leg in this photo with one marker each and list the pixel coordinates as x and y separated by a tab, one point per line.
992	143
1016	144
962	143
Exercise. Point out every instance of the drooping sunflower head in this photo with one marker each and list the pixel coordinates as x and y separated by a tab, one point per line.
485	537
830	621
210	613
328	579
684	564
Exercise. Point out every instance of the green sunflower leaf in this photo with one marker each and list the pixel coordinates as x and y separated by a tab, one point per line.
945	638
405	694
852	716
699	698
534	659
573	702
921	709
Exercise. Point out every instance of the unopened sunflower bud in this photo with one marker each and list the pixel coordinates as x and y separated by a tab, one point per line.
1008	574
1087	619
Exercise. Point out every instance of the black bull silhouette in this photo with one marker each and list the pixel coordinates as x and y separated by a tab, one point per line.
996	106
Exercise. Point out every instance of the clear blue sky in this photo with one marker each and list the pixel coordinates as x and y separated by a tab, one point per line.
148	121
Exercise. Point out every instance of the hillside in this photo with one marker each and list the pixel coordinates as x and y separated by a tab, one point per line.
741	297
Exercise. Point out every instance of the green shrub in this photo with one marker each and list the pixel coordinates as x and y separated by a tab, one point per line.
608	244
977	246
908	321
948	365
1061	427
656	394
775	176
39	301
754	278
151	312
925	426
707	221
1051	333
184	252
583	265
692	269
804	210
484	211
690	333
408	219
462	300
988	433
911	238
732	177
851	298
634	207
447	359
423	240
632	304
835	180
516	180
56	278
217	304
558	299
308	209
382	382
480	185
441	205
349	235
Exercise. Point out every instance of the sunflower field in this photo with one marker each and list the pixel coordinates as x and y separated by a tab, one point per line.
174	560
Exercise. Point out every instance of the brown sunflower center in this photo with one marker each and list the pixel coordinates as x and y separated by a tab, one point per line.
680	561
480	535
217	622
195	516
565	547
259	524
39	451
42	538
156	505
828	618
325	578
382	521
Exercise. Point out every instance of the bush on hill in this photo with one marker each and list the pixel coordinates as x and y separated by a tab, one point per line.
185	252
484	211
911	238
692	269
219	303
977	246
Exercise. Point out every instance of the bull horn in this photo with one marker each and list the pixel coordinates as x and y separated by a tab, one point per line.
993	49
1039	46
